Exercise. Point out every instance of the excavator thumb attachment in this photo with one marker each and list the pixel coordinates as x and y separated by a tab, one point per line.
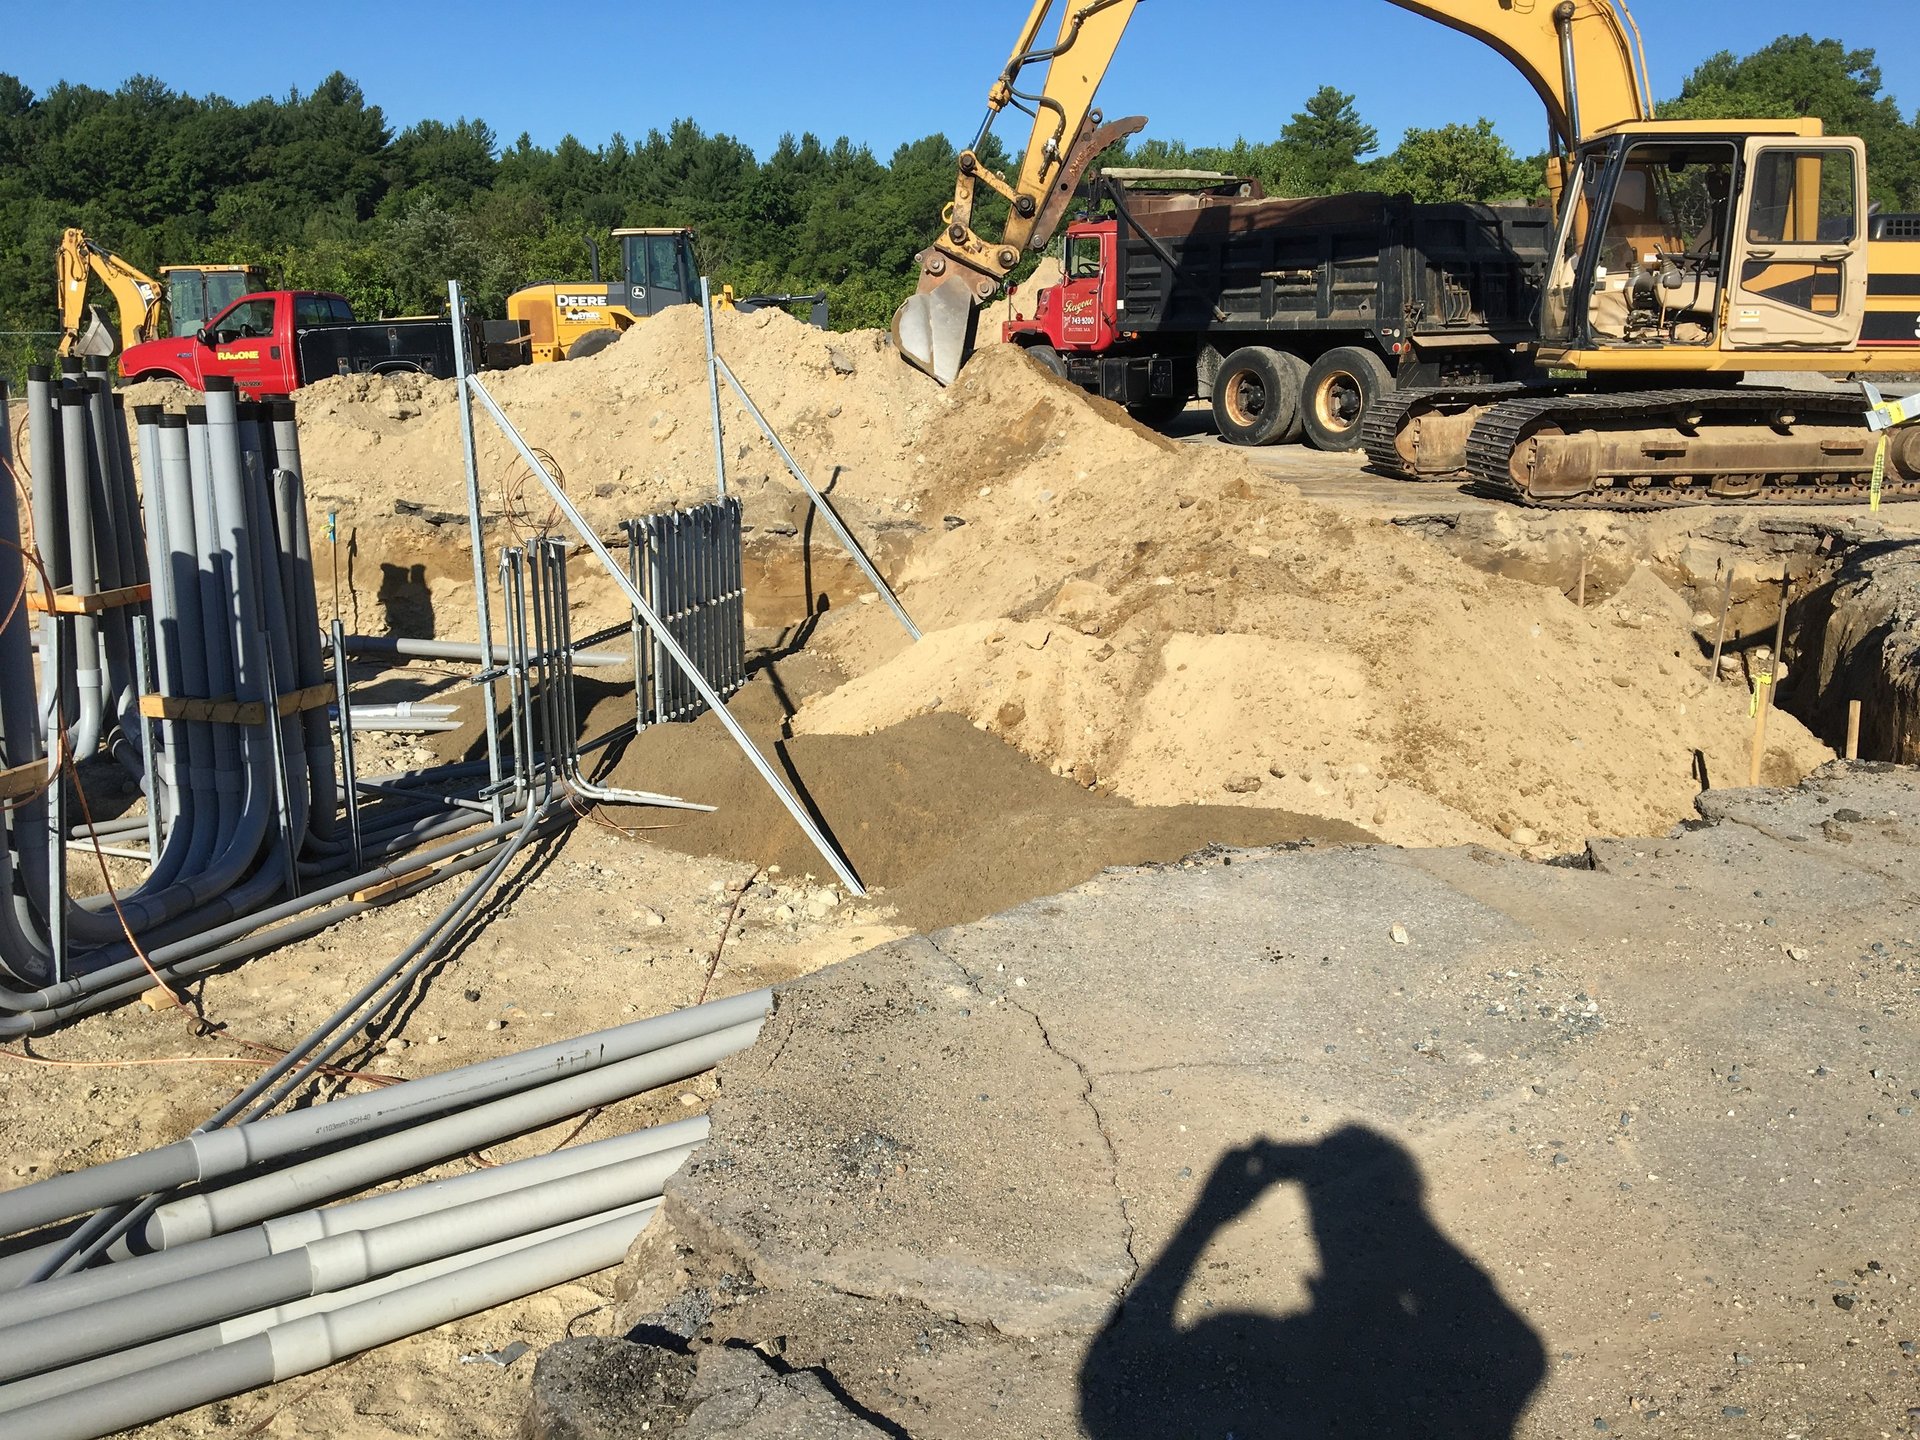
934	330
96	336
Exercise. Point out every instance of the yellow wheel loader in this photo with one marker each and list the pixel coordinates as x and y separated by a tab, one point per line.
567	320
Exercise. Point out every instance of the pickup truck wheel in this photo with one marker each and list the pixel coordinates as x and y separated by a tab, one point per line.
592	343
1341	386
1047	358
1256	396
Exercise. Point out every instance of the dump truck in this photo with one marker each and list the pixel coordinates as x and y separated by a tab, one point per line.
1292	316
1686	256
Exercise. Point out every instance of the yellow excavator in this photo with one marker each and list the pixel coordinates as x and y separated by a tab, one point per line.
1687	256
179	303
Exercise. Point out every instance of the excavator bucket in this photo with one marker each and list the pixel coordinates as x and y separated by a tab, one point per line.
934	330
96	336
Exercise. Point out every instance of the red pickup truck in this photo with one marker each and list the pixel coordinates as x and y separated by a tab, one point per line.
275	341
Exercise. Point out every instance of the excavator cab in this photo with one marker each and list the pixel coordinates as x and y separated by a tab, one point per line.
197	293
1677	238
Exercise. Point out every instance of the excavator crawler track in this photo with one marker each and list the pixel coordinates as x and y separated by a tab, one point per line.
1380	429
1733	431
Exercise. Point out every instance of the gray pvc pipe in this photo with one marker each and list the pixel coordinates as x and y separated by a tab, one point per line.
299	1347
49	513
405	1151
234	938
332	1262
377	646
143	1273
203	1157
84	729
88	1373
193	958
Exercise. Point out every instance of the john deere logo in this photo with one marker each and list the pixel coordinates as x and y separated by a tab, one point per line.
579	300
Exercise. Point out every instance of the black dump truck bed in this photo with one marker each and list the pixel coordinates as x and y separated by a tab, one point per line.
378	346
1368	262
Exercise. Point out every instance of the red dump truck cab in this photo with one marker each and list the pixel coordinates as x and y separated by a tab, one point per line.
1080	315
274	341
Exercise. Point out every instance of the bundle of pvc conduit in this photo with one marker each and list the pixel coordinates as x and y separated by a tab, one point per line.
245	1282
202	598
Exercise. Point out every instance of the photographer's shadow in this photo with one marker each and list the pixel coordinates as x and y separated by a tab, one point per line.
1406	1337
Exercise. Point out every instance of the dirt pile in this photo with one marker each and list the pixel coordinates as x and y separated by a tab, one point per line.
629	428
1167	624
951	824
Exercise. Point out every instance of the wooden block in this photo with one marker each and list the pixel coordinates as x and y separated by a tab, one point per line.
61	603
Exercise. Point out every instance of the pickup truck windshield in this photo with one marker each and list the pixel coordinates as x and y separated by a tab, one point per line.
249	320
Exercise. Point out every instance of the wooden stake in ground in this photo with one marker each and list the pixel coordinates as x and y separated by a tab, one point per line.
1765	684
1853	730
1720	636
1580	591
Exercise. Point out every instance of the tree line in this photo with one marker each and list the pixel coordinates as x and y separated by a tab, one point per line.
318	187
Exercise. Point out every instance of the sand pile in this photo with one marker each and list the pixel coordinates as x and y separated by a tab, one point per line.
1165	623
629	427
1161	622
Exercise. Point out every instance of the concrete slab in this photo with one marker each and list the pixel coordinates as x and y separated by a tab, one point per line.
1352	1141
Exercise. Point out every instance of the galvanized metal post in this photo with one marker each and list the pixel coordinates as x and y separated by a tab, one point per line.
827	511
591	538
476	533
713	392
349	773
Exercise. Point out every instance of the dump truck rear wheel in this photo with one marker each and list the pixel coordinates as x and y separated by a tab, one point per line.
592	343
1256	396
1342	385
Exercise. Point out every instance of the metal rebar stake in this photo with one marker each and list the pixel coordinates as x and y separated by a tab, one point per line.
591	538
827	512
713	392
272	727
143	678
476	532
348	770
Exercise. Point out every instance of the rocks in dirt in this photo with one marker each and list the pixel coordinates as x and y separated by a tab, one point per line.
593	1388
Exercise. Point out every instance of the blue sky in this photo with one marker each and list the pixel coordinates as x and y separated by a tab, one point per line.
1204	73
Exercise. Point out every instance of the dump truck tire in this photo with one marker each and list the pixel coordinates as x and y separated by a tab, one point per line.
1047	358
1341	387
592	343
1256	396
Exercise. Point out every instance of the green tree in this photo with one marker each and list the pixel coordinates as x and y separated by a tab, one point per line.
1798	75
1457	162
1325	142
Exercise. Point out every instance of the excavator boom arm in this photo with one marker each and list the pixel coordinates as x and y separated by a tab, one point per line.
1582	57
139	298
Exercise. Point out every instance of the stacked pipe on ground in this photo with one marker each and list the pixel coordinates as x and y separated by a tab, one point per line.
243	1282
236	755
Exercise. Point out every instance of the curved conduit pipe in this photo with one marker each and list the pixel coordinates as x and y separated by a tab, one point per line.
126	978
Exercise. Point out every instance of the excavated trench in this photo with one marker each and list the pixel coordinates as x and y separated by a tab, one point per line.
1852	583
